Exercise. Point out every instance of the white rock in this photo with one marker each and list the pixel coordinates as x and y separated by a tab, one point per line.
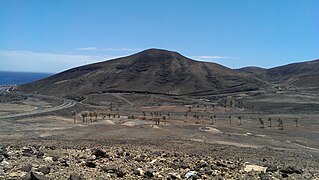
48	159
255	168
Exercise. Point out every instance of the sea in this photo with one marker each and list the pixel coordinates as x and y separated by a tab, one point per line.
10	78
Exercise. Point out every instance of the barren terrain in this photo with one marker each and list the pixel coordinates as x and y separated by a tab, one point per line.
239	130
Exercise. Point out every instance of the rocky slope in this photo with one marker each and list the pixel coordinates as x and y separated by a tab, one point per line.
303	74
153	71
136	161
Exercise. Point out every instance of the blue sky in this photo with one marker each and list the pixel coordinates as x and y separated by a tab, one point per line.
54	35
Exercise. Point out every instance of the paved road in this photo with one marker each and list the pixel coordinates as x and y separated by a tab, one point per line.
66	104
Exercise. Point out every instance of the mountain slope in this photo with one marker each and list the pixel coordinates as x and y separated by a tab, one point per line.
303	74
152	71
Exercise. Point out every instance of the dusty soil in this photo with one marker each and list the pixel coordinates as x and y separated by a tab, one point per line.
126	122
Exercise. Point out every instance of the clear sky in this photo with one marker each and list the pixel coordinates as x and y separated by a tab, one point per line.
54	35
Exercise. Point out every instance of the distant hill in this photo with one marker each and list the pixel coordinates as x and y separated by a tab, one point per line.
151	71
303	74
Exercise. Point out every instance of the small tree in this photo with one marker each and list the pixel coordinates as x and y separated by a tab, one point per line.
90	115
84	116
229	117
212	118
261	122
215	117
280	124
296	121
239	118
95	115
269	120
74	116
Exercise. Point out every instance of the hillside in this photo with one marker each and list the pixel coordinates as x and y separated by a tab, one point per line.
152	71
303	74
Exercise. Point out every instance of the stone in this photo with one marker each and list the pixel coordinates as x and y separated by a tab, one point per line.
265	177
220	164
39	154
271	168
44	170
26	168
74	176
284	175
111	168
54	158
173	176
35	176
1	157
99	153
137	172
64	162
191	175
90	164
149	173
17	174
291	170
254	168
27	152
120	173
48	159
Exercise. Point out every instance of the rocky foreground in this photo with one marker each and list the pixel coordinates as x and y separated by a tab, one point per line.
136	161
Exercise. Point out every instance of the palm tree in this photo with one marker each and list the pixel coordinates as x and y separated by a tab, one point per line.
239	118
296	121
74	116
84	116
215	118
280	124
95	115
269	120
90	115
262	125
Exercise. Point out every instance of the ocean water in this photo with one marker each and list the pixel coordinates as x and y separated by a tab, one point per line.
20	77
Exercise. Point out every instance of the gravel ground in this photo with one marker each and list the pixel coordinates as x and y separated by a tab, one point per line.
149	159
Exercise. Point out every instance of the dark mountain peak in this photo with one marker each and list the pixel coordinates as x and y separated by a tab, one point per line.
158	55
152	71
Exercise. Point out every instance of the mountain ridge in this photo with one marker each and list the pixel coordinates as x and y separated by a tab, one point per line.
152	71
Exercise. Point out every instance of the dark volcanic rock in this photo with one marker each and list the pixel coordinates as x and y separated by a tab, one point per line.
26	168
99	153
4	154
35	176
1	157
149	173
109	168
90	164
74	176
271	168
44	170
290	170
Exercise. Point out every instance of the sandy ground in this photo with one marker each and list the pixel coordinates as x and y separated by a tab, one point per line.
247	140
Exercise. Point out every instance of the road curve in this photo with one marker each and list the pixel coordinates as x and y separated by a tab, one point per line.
67	103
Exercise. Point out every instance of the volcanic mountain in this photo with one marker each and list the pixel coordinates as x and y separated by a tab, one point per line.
302	74
151	71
